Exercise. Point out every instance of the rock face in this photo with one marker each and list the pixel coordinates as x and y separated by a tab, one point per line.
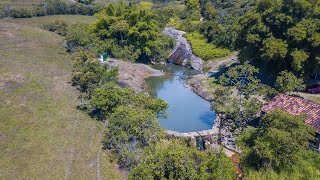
133	74
200	84
182	53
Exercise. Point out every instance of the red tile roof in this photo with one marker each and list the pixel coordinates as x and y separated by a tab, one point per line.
297	106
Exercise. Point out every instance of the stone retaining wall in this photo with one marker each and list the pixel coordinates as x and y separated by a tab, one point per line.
210	132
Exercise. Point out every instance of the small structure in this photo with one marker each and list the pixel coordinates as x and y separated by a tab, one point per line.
298	106
103	57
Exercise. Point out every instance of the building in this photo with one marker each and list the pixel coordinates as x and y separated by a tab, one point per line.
298	106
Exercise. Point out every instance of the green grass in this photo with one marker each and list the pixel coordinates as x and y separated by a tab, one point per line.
315	98
28	4
42	134
203	49
40	21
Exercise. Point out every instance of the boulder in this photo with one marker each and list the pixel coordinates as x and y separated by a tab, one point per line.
182	53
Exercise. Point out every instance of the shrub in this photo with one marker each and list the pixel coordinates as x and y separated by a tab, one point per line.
85	1
58	26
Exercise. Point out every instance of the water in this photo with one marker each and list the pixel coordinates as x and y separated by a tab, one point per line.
187	111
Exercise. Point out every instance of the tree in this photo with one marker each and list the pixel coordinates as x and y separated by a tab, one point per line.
174	160
132	32
277	144
192	4
89	74
241	107
79	35
242	77
288	82
129	130
281	35
240	111
109	96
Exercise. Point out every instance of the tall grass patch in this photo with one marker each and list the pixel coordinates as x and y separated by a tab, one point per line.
203	49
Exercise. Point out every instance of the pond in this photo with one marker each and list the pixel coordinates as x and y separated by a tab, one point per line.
187	111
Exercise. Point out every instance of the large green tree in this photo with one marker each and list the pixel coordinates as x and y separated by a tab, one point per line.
282	35
109	96
129	131
278	144
240	105
133	29
287	82
174	160
89	74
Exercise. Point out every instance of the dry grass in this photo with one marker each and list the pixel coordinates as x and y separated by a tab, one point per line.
42	134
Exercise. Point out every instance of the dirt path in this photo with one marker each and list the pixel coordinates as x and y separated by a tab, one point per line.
99	163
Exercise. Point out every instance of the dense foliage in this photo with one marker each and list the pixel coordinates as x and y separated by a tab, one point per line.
130	129
240	105
88	74
50	7
174	160
131	118
288	82
280	145
220	20
109	96
282	35
132	32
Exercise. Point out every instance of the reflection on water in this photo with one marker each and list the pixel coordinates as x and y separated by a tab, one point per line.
187	111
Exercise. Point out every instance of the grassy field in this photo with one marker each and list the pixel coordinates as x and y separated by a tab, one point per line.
27	4
42	134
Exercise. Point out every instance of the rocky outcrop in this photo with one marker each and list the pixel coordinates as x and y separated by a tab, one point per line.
133	74
200	84
182	53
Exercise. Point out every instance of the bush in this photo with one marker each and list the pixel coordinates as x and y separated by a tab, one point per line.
85	1
79	35
22	13
203	49
58	26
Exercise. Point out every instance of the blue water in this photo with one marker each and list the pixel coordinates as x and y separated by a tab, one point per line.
187	111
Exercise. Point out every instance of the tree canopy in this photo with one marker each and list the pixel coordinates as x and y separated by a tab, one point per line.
132	32
174	160
280	35
239	104
278	144
88	73
288	82
129	131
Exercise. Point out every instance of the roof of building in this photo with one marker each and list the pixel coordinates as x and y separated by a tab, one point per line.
297	106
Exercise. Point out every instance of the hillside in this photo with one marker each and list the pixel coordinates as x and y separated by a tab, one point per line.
42	134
